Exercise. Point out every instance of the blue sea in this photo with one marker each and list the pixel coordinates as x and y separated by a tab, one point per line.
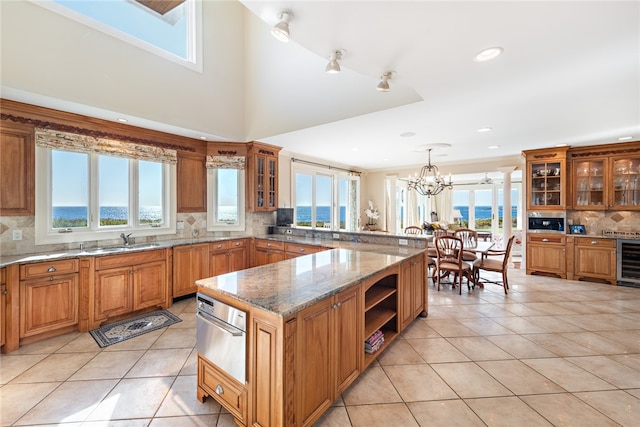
303	213
150	213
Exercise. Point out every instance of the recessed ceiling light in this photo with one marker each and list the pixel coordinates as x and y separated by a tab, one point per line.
407	134
486	129
121	120
488	54
354	149
625	138
493	147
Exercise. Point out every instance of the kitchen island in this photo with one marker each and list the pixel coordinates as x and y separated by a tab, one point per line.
307	322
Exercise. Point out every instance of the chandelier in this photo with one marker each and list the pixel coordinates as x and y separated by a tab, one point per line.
429	183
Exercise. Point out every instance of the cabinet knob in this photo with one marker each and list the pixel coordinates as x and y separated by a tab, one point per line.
545	240
219	389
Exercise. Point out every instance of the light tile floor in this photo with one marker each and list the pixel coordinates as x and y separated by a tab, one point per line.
552	352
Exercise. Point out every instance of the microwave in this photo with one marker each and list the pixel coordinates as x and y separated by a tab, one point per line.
546	222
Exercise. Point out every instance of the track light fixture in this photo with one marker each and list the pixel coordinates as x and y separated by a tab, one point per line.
281	30
383	86
333	66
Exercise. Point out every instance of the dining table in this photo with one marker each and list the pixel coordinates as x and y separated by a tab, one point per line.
481	248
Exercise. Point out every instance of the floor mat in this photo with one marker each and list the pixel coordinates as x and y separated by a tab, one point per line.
130	328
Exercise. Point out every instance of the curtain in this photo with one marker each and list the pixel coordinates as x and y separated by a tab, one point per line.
412	208
225	162
58	140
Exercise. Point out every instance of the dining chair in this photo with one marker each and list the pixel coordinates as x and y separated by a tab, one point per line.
413	229
494	265
449	259
469	239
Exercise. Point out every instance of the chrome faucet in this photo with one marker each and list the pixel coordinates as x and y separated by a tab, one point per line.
125	238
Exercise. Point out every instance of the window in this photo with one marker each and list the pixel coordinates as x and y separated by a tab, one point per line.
174	34
324	199
225	200
482	207
92	196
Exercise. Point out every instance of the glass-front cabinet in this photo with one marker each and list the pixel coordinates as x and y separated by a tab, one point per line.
590	184
262	177
547	179
625	173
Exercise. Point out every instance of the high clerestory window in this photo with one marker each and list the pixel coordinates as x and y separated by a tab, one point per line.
168	28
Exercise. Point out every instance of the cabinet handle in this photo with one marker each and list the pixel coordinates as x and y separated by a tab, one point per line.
219	389
545	240
51	269
301	249
594	242
219	246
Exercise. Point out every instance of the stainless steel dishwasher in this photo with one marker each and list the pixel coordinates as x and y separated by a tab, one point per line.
221	334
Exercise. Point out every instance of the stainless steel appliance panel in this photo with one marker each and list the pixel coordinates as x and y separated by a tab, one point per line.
218	337
546	222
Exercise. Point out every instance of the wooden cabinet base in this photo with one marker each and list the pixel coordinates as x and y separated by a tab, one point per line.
225	390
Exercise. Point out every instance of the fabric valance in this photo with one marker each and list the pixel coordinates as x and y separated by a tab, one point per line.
225	162
89	144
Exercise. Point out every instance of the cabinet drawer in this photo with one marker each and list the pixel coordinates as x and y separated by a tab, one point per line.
300	249
269	244
546	239
227	244
52	268
230	395
141	257
595	242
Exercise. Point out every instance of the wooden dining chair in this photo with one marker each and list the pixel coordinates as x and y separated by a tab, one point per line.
449	260
494	265
413	229
469	239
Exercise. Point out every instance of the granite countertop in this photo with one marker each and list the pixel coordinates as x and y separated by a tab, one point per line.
286	287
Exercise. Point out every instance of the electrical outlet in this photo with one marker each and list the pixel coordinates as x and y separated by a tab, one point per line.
403	242
17	234
180	225
288	231
336	235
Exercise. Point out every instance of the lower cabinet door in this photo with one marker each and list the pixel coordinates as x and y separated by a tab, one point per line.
48	304
223	389
149	284
113	292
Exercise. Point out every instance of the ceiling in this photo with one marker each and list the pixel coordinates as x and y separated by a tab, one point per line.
569	74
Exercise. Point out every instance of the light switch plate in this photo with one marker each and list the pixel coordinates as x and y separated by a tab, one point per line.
403	242
17	234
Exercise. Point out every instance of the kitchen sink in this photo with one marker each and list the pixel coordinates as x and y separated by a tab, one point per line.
116	249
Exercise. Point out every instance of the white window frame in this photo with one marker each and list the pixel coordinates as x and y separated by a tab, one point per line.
335	191
45	234
193	12
212	198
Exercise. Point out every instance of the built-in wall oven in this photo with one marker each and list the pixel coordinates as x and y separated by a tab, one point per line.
546	222
221	334
628	260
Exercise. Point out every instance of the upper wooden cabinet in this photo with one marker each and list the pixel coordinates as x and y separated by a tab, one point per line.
262	177
192	182
17	159
546	179
606	177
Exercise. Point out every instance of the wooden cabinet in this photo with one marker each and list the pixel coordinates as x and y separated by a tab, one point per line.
17	163
128	283
590	184
381	310
293	250
546	254
546	179
49	297
229	392
267	251
412	290
625	177
3	303
192	182
606	177
227	256
262	177
593	258
190	263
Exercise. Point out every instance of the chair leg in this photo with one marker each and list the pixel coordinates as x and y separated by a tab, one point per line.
437	273
505	284
459	282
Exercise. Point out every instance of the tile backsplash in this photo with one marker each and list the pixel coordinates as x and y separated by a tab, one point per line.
257	223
